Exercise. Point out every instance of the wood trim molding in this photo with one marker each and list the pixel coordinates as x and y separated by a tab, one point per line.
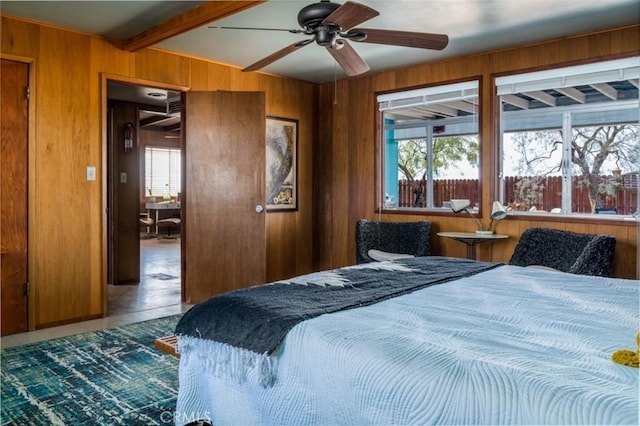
140	82
201	15
31	181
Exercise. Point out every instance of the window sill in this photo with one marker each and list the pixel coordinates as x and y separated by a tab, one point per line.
418	211
627	220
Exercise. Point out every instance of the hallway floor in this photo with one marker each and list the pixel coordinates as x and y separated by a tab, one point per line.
159	279
157	295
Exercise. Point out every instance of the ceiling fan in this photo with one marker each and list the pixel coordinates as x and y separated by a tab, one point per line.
331	25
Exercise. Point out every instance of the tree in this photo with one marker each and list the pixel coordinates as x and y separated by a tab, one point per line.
595	150
592	147
538	155
447	151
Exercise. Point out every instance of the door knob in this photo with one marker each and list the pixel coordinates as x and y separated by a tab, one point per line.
259	208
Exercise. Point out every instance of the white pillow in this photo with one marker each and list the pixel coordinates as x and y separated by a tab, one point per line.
546	268
380	255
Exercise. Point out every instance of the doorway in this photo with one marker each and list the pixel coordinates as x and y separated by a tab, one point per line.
221	128
143	198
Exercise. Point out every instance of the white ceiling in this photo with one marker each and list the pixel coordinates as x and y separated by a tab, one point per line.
472	26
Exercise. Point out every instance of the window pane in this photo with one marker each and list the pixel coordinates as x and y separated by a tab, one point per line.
455	167
162	172
605	165
409	186
532	170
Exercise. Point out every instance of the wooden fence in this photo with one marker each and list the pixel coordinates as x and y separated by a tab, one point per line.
622	190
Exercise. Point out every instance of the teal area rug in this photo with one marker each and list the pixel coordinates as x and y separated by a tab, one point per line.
109	377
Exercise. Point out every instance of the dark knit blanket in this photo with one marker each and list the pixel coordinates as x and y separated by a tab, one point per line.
258	318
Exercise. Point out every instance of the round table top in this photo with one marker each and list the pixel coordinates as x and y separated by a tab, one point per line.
472	235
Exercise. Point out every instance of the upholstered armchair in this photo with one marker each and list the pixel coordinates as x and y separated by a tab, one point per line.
407	238
576	253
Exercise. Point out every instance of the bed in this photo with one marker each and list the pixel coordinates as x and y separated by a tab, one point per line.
472	343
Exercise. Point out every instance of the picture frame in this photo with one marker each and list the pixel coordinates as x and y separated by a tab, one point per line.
281	164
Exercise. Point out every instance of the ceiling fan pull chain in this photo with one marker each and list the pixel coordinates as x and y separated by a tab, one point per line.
335	82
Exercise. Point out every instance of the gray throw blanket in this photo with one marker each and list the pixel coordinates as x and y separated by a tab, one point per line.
258	318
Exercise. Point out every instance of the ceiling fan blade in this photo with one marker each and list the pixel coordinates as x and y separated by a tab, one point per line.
400	38
348	58
258	29
277	55
350	14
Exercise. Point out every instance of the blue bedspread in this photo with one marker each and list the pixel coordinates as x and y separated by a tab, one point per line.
258	318
507	346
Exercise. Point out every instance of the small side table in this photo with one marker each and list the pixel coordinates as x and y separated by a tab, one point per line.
471	239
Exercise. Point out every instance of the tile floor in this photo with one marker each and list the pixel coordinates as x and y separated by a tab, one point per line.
159	279
157	295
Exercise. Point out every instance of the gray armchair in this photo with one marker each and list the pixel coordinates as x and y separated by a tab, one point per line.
576	253
392	237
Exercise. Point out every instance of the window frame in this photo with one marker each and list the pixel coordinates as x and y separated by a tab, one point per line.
379	204
567	127
172	150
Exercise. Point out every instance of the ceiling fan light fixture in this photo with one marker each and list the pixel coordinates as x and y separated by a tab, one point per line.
326	36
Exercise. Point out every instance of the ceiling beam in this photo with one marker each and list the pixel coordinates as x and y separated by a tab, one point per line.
440	109
573	93
606	90
463	105
201	15
155	121
543	97
516	101
403	114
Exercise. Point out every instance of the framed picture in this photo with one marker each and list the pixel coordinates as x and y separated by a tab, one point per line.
282	164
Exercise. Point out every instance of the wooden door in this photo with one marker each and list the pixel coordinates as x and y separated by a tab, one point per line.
13	186
224	241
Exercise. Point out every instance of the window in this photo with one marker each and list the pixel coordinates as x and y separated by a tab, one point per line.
162	172
570	139
430	146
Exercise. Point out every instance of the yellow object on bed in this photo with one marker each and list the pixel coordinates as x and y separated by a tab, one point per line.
627	356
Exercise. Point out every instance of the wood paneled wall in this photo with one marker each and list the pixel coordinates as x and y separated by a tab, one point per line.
346	149
125	204
66	239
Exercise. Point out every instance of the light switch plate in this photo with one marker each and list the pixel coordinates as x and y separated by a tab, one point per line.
91	173
123	177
